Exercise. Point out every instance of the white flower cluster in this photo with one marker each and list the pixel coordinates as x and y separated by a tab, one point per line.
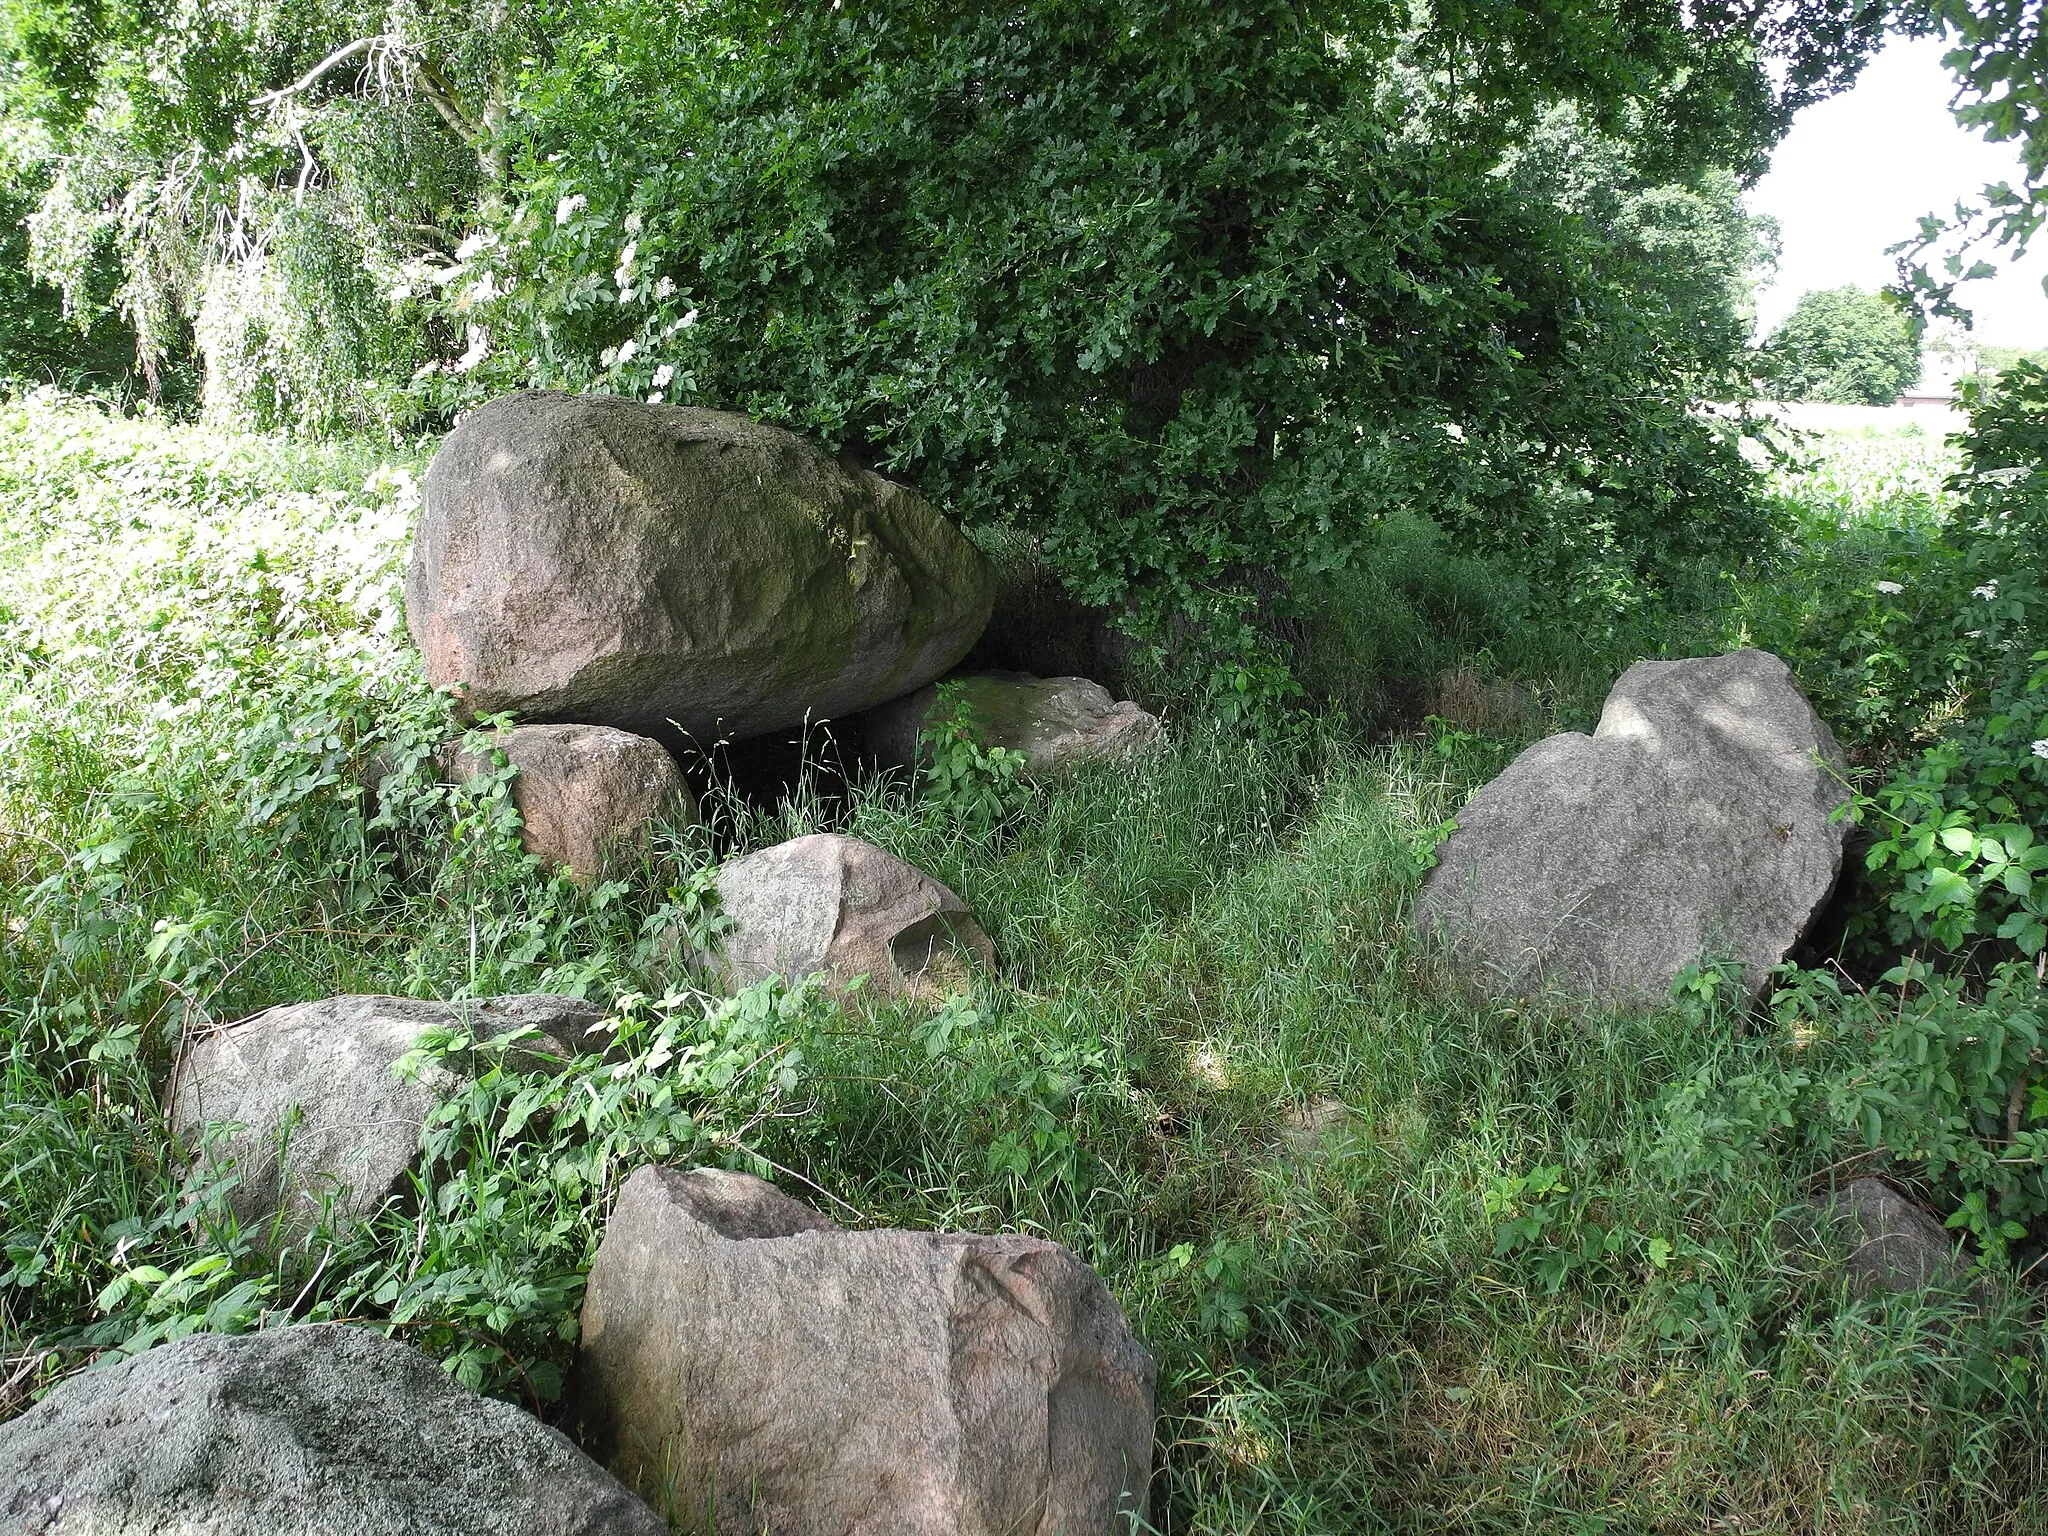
1890	588
2040	748
1988	591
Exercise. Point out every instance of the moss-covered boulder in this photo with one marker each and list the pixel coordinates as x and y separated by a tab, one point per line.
591	559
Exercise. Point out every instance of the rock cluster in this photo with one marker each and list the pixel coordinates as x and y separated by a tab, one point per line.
626	574
615	574
1698	824
619	572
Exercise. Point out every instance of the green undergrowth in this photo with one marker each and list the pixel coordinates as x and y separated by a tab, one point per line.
1408	1262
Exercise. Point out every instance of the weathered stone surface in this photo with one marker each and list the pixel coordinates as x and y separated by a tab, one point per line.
587	794
825	1383
589	558
1693	824
324	1070
836	905
1898	1246
1056	722
321	1430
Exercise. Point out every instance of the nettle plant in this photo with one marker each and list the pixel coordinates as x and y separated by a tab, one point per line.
965	779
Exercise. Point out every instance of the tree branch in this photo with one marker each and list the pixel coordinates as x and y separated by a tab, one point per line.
311	77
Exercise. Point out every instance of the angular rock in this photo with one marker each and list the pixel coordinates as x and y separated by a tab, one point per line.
320	1430
836	905
1056	722
741	1354
313	1109
1695	824
1899	1247
586	794
589	558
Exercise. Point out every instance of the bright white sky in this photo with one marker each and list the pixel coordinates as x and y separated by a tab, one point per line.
1856	173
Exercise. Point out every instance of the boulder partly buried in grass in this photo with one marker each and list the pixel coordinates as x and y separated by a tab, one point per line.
587	795
1698	824
307	1111
1894	1245
746	1361
836	906
590	558
1056	722
322	1429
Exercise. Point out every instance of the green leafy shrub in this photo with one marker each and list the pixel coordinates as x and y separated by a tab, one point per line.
1959	852
523	1161
1911	605
1922	1072
1197	300
962	777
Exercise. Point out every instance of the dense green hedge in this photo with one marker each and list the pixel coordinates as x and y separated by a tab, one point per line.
1197	297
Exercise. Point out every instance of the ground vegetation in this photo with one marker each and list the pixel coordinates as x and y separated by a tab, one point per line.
1336	355
1407	1259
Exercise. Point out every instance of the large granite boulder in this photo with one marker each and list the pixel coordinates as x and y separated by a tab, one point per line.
310	1109
743	1355
836	906
1697	823
587	795
320	1430
589	558
1056	722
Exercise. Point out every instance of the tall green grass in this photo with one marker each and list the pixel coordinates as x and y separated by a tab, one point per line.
1409	1261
